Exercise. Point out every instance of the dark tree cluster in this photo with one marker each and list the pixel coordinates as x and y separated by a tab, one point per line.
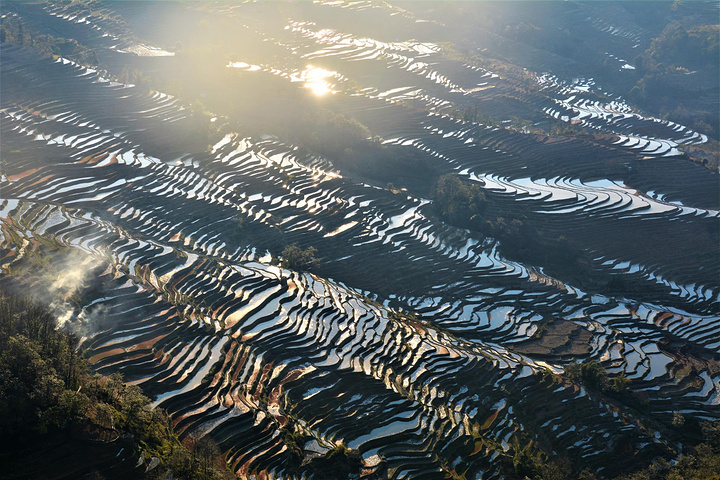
39	371
47	393
460	203
12	30
296	258
668	71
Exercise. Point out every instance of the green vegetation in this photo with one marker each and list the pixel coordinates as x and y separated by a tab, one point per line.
40	371
135	77
701	463
674	78
668	69
464	205
473	114
681	47
48	395
530	459
460	203
339	463
12	30
530	462
295	258
592	374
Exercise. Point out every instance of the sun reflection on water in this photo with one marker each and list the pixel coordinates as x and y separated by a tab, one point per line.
316	79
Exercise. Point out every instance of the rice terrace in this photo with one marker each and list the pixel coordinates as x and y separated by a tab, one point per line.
355	239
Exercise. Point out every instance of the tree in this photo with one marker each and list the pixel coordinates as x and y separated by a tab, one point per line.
459	203
590	372
295	258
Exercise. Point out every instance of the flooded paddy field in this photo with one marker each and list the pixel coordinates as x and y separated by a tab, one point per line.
210	136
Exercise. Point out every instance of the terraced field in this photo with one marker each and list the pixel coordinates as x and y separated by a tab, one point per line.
425	347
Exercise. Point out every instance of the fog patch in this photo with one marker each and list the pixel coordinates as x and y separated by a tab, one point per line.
71	274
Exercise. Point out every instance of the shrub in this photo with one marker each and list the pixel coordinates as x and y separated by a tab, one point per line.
295	258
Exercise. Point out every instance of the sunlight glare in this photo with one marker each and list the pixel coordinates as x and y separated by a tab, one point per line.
315	80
